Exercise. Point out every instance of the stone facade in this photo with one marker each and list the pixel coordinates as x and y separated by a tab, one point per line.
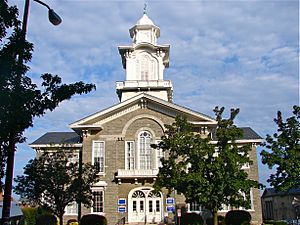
118	139
277	205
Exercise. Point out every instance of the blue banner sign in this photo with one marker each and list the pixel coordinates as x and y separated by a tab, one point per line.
122	209
122	201
170	209
170	201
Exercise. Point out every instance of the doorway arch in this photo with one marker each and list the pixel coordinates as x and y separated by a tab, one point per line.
145	205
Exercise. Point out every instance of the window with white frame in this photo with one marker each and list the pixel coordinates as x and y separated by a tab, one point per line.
159	154
145	68
245	165
99	156
73	157
145	150
71	208
129	155
228	207
194	207
98	201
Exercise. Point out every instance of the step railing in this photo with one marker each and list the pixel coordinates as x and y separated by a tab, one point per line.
121	221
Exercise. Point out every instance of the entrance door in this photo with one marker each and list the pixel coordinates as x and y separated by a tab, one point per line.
145	206
138	206
154	207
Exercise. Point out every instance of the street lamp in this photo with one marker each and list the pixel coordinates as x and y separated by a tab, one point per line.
53	17
296	205
55	20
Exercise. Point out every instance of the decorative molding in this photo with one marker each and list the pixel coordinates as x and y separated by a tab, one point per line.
118	114
147	116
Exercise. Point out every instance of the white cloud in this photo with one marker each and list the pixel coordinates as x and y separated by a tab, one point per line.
229	53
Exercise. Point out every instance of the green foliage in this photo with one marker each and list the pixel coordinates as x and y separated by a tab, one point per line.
52	182
21	99
92	219
207	173
237	217
46	219
283	152
275	222
72	222
30	214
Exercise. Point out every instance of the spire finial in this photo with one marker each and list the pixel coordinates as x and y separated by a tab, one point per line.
145	8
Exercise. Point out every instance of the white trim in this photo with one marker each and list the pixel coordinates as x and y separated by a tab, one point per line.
242	141
79	145
135	100
98	189
143	116
71	214
132	143
96	141
146	191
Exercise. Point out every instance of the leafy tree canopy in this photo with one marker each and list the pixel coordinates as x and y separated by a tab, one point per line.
283	152
205	171
51	181
21	99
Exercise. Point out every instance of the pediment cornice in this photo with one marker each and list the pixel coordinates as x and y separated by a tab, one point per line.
141	101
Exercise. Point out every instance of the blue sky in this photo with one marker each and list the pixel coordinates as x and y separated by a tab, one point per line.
237	54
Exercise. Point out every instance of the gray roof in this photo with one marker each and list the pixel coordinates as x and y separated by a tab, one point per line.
268	192
248	134
74	138
58	138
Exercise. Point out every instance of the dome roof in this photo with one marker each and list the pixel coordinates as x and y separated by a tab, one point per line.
145	20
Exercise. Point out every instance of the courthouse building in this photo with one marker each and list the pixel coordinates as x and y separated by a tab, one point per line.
117	140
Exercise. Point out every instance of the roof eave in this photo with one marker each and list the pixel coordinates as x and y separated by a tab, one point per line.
71	145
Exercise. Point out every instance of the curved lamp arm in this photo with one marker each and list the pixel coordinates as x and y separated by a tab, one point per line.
53	17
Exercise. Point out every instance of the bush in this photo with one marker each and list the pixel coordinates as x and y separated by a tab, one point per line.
221	220
191	219
72	222
92	219
237	217
30	214
46	219
273	222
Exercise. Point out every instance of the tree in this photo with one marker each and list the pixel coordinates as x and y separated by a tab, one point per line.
21	99
51	181
208	173
285	152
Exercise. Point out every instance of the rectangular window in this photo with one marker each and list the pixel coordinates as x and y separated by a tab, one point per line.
157	208
98	201
141	206
194	207
150	206
73	157
71	209
98	156
130	155
134	206
159	154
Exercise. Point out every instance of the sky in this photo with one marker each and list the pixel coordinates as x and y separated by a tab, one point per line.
237	54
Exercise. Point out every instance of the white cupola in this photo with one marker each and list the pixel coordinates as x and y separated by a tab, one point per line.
144	63
144	31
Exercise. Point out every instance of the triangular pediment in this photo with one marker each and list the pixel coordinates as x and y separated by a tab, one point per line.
143	100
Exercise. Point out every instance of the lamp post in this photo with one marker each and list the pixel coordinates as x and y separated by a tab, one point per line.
296	205
55	20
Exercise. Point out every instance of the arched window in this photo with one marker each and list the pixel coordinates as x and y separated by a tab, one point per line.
145	150
145	68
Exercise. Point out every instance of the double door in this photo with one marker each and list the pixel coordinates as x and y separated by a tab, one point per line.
146	206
